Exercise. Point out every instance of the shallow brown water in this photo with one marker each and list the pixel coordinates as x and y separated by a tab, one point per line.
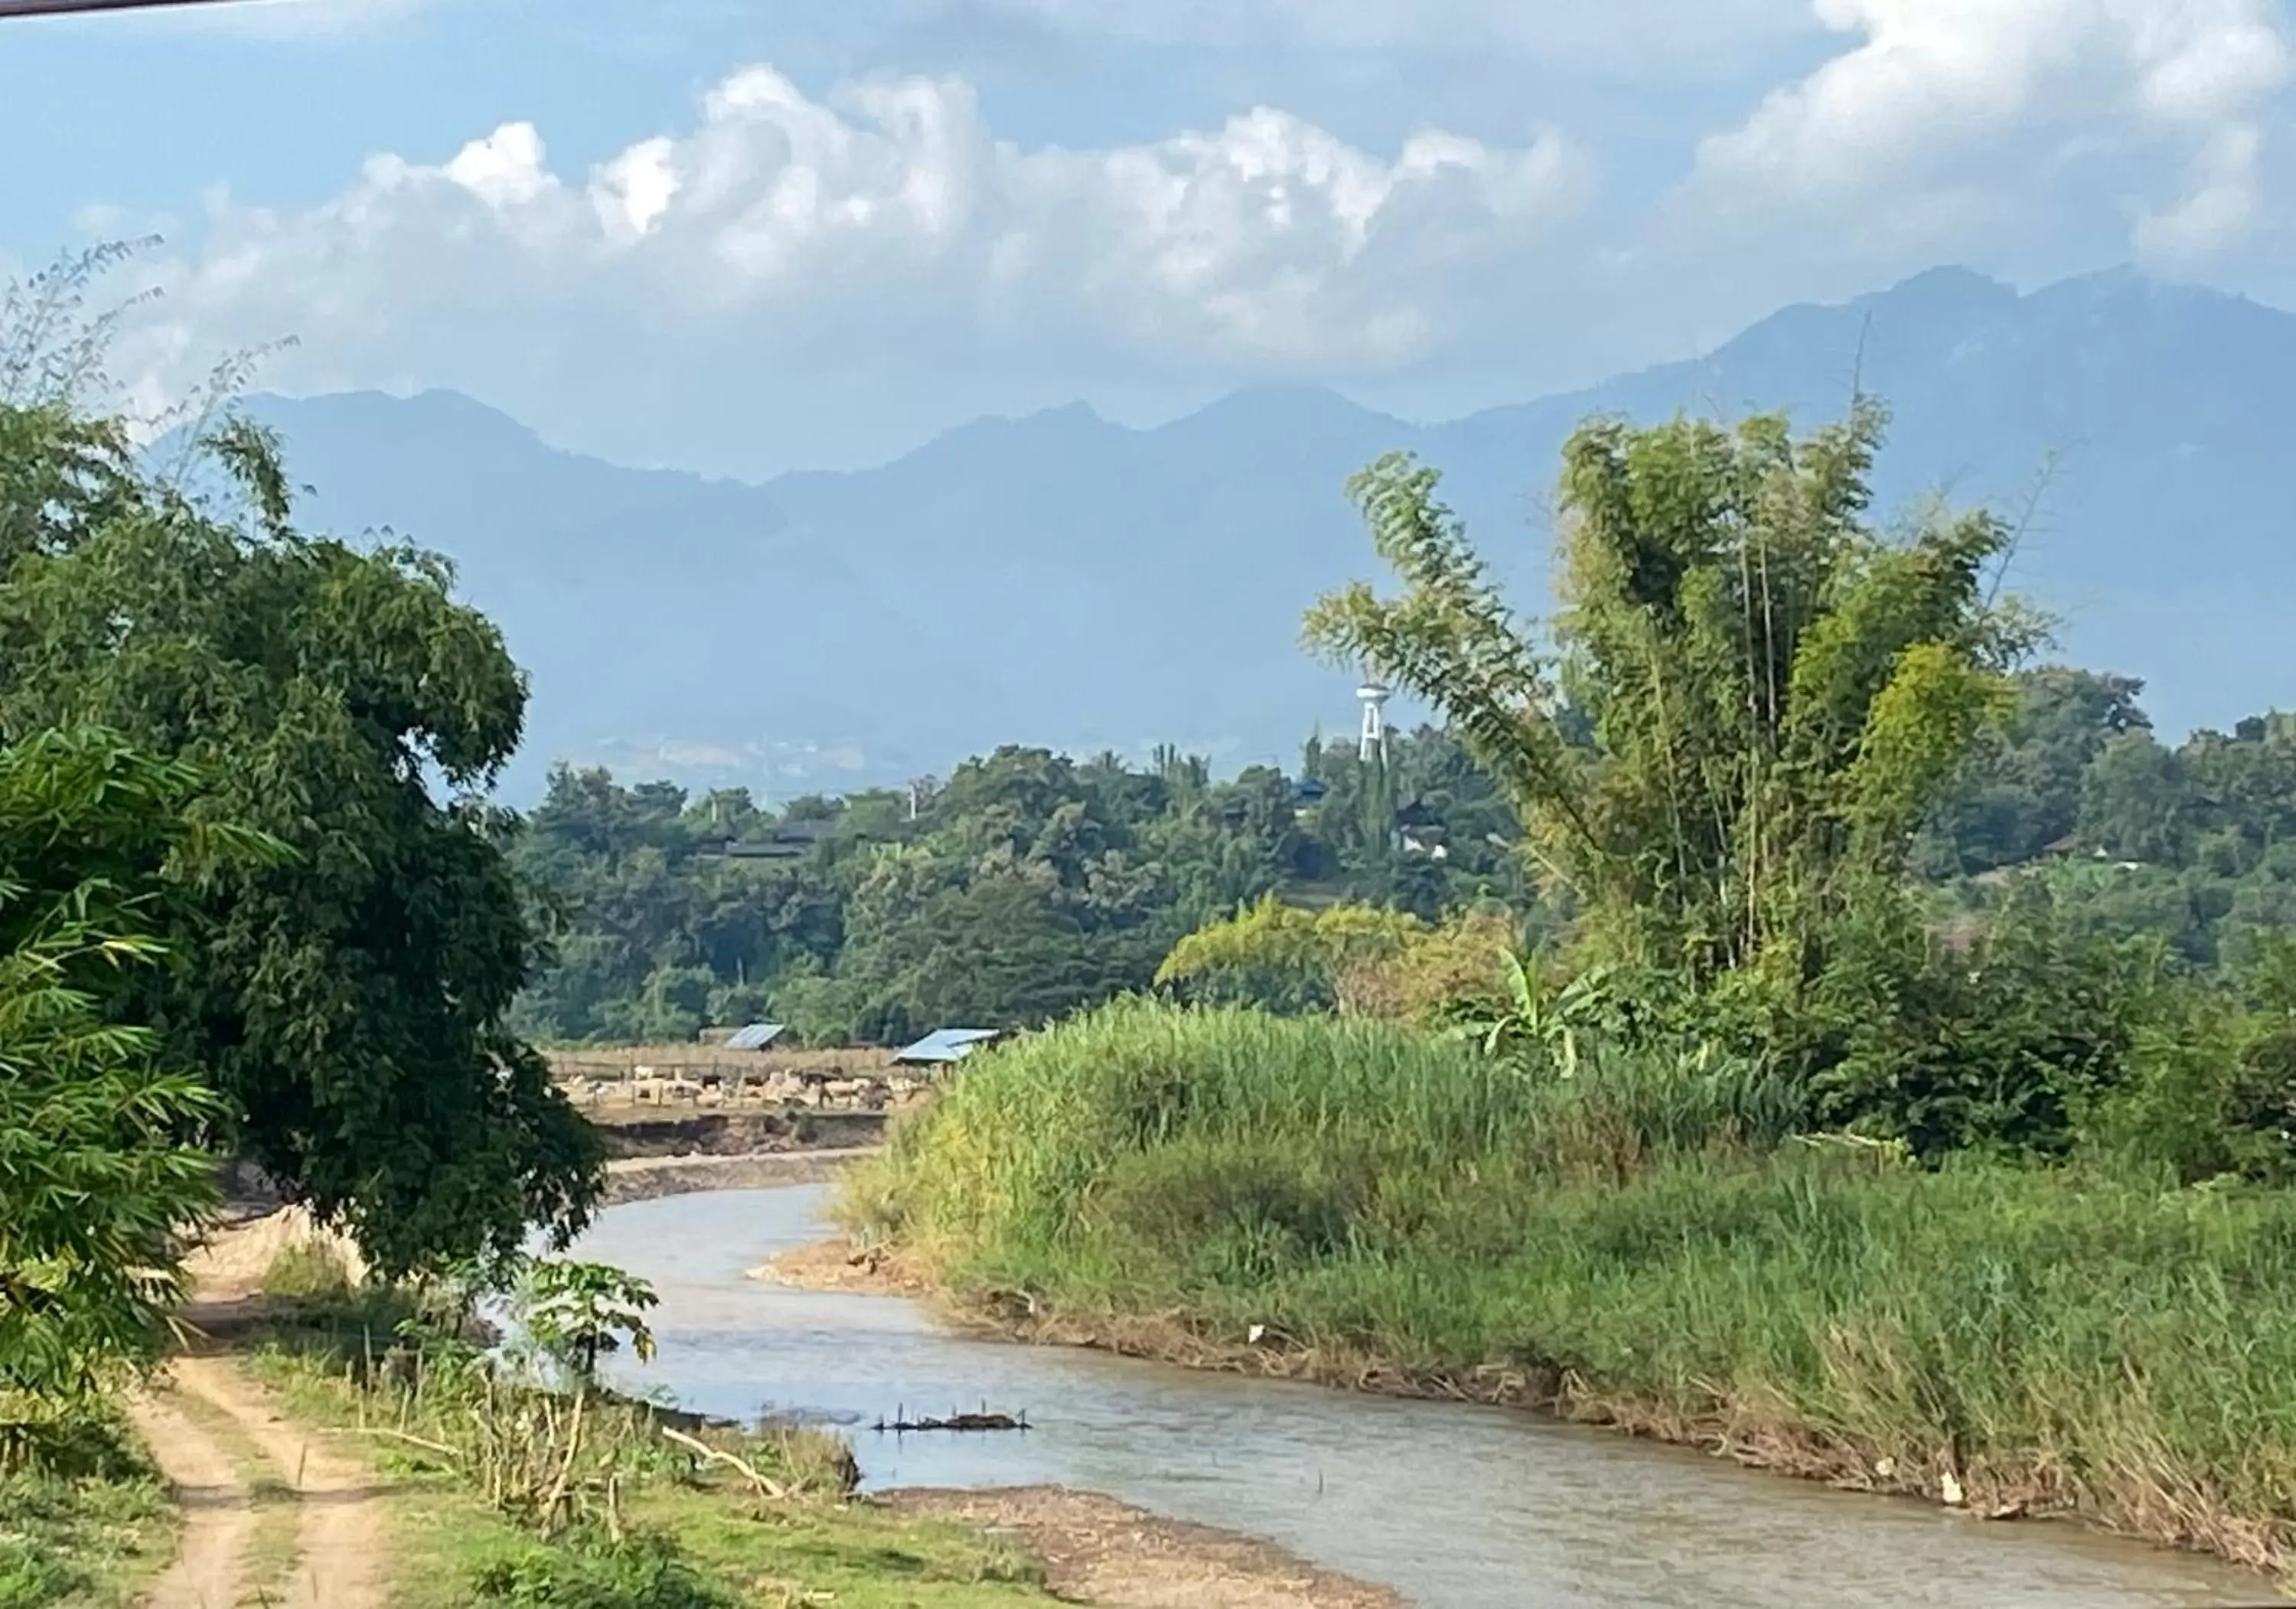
1458	1507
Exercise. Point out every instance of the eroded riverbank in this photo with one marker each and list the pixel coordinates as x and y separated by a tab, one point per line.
1453	1505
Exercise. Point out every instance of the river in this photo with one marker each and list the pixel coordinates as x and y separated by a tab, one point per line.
1456	1506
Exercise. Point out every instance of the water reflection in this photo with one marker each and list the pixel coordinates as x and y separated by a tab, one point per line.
1459	1508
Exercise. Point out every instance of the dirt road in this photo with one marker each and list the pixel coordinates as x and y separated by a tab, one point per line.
342	1545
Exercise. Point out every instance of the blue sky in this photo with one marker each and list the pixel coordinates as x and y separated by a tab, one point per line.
751	236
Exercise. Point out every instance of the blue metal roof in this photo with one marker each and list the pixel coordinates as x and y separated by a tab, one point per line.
946	1045
756	1036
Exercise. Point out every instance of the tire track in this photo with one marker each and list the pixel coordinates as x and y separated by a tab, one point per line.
218	1509
341	1533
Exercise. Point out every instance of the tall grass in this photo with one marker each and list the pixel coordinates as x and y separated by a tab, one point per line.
1645	1242
1019	1148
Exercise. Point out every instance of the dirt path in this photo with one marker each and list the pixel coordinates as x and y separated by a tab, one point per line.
341	1541
218	1508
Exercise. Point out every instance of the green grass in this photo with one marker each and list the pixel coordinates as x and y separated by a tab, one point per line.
690	1539
1637	1242
87	1535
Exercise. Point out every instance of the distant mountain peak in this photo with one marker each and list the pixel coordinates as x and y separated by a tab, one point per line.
1062	578
1282	405
1066	421
1946	282
430	402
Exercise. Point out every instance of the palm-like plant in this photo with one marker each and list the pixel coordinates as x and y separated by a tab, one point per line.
1555	1024
575	1313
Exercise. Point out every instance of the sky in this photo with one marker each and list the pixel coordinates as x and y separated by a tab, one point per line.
744	237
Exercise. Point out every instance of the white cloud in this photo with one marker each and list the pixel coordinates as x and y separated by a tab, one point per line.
792	223
504	170
1971	106
806	275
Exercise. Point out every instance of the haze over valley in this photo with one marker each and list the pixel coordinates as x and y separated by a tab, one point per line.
1064	581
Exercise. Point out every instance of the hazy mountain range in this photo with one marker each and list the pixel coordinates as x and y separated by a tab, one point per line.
1066	580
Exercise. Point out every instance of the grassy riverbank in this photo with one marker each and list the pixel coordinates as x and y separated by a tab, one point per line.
85	1531
514	1497
1640	1244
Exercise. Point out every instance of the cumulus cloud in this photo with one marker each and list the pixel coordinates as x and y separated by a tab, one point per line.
1977	104
863	265
889	207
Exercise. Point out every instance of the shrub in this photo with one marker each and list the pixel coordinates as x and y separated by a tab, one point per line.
643	1571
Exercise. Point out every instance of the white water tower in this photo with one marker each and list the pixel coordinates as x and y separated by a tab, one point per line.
1373	697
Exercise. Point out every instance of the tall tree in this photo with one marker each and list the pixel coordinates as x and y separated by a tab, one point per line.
348	999
1774	696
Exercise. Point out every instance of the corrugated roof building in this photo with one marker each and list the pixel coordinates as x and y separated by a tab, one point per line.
756	1036
944	1045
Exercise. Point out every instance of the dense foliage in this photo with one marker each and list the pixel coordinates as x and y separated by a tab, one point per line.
1025	886
97	1170
1751	701
1756	717
2194	845
347	995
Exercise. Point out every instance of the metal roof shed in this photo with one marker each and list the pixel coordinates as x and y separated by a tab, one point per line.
944	1045
756	1036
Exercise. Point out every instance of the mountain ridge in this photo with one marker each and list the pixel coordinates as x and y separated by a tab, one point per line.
1064	578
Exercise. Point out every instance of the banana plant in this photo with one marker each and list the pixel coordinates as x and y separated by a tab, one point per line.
1559	1023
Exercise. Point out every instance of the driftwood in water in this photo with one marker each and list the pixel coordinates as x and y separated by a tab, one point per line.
901	1423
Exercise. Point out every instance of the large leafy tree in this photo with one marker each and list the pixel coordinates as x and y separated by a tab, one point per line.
1749	700
98	1164
348	998
1280	957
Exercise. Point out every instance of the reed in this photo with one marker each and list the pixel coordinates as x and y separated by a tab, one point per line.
1647	1244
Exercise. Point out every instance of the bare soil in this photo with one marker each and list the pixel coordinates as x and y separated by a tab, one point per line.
341	1551
1097	1550
341	1554
628	1131
647	1178
219	1510
839	1265
229	1263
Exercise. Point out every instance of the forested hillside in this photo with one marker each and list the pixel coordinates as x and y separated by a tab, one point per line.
2192	844
1030	883
1026	885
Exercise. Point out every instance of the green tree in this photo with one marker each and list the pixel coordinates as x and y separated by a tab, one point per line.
1026	885
1773	696
1281	958
2023	792
98	1162
349	999
2134	803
